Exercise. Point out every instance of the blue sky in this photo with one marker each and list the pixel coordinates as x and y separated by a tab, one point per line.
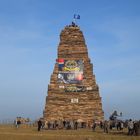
29	36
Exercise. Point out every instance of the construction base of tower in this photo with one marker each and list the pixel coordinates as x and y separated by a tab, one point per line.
74	106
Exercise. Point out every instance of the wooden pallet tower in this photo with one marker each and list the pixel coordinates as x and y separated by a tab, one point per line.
72	92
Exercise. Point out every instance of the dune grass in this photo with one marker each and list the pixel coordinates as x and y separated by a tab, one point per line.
8	132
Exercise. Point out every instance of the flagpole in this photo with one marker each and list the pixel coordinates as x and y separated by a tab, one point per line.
74	19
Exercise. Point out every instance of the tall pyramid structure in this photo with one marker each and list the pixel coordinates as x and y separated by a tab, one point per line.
72	92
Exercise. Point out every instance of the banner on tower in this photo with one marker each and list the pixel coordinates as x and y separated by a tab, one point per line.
70	71
75	88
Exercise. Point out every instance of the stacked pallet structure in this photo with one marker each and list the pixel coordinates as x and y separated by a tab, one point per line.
72	100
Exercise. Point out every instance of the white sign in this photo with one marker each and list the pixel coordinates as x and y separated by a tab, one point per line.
75	100
89	88
61	86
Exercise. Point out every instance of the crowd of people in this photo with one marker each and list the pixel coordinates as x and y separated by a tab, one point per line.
106	126
59	124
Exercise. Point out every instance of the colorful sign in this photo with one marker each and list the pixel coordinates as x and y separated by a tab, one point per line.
70	71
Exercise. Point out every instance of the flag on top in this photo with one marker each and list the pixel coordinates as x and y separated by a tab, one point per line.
76	16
